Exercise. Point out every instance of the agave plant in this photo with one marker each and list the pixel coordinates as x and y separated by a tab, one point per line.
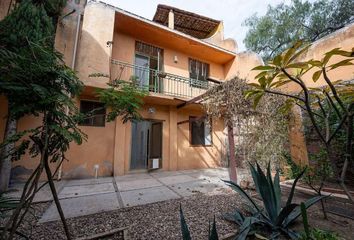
7	204
212	235
272	217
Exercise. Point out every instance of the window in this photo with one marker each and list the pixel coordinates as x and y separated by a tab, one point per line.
95	113
198	73
200	131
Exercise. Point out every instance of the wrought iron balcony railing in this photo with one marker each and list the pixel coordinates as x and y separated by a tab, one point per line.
160	82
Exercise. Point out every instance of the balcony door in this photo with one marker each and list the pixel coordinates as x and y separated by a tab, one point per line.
142	73
149	61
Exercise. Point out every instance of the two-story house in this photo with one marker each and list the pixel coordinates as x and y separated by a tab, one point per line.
176	56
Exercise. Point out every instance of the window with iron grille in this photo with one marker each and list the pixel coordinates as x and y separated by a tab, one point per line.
95	113
200	131
198	73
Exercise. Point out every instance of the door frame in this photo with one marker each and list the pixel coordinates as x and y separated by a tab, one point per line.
146	169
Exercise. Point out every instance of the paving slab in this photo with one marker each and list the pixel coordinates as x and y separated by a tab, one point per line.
161	174
43	195
137	184
189	188
147	195
88	181
80	206
131	177
215	173
176	179
86	190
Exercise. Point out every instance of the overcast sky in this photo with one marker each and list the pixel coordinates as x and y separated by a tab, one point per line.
231	12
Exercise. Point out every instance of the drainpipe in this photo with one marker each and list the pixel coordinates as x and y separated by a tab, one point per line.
60	170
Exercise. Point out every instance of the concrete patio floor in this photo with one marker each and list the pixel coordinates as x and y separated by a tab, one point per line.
89	196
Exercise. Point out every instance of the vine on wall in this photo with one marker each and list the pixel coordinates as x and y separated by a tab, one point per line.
261	134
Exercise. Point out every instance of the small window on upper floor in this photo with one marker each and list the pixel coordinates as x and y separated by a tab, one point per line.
198	73
95	113
200	131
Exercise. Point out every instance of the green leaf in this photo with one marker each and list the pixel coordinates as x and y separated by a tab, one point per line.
346	62
290	198
298	53
298	65
261	74
284	213
246	228
213	235
235	216
184	227
257	98
297	211
263	68
243	194
277	60
315	63
316	75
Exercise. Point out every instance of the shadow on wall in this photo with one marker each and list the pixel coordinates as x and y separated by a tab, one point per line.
96	154
210	161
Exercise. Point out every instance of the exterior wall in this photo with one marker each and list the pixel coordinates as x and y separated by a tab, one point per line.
94	54
193	157
124	50
5	5
343	39
242	65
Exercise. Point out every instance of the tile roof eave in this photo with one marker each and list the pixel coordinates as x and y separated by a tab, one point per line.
140	18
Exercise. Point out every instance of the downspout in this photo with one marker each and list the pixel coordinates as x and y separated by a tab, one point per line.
60	170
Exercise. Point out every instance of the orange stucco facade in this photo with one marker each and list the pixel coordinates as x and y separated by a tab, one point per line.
107	33
104	33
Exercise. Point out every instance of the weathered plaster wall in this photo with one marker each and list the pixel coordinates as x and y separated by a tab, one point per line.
242	65
217	38
4	8
94	54
124	50
192	157
344	39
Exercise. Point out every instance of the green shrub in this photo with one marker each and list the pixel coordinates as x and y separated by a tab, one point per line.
273	218
212	234
318	234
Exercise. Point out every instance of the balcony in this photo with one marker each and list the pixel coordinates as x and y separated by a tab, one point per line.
160	82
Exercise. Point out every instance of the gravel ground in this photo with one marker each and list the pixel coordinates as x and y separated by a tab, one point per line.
161	220
153	221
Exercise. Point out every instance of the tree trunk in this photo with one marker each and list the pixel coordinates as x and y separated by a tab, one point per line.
232	167
5	157
55	197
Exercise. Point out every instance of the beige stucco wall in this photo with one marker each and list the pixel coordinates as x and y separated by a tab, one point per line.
193	157
4	8
124	50
94	54
343	39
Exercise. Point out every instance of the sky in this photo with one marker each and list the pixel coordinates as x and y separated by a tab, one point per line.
231	12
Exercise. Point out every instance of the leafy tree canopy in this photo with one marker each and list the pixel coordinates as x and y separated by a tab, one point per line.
284	24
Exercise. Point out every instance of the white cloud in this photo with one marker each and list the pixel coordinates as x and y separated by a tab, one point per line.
231	12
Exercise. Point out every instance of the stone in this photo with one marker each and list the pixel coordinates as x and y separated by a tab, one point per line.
86	190
147	195
137	184
80	206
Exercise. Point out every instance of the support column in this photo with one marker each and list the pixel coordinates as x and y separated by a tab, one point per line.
232	159
119	148
173	139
